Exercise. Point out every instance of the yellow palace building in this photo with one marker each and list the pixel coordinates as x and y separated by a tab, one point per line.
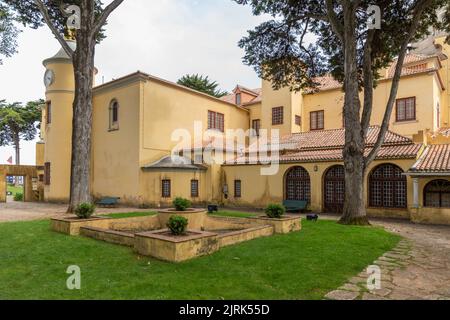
136	153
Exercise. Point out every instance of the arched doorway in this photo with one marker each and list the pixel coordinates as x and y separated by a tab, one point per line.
298	185
334	189
387	187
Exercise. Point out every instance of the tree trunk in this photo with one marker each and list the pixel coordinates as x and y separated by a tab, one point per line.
354	204
83	61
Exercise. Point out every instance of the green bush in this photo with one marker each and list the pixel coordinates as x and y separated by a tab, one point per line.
275	211
18	197
85	210
181	204
177	225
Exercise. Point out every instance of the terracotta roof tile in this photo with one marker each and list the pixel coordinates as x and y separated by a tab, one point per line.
326	139
327	145
328	82
388	152
435	158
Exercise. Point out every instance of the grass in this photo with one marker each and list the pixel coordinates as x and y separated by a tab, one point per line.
129	215
235	214
301	265
14	189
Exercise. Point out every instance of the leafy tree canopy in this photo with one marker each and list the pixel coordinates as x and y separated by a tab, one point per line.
202	84
278	52
8	32
28	13
18	122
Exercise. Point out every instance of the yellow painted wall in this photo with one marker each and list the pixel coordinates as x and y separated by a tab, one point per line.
424	87
276	98
445	75
258	190
58	143
115	153
151	181
166	108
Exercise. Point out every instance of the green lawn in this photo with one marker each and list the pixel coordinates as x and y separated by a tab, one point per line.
14	189
235	214
130	214
301	265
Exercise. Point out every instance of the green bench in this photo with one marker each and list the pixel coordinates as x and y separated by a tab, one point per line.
108	202
295	205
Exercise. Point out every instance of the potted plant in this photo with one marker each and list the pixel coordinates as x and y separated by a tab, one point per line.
84	210
177	225
181	204
275	211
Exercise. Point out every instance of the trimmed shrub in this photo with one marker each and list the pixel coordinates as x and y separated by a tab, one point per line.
177	225
85	210
18	197
275	211
181	204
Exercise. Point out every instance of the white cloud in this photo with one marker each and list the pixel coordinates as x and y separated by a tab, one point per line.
166	38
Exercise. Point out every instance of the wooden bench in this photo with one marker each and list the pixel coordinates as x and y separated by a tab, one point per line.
108	202
295	205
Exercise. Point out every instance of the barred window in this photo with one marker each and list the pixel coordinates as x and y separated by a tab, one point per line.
114	115
437	194
298	120
256	125
216	121
47	169
406	109
317	120
387	187
237	188
166	189
49	112
277	116
298	185
194	189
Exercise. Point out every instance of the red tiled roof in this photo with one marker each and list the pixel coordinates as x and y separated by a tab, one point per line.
388	152
231	98
435	159
327	145
328	82
326	139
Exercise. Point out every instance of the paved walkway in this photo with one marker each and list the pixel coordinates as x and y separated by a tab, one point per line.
417	269
25	211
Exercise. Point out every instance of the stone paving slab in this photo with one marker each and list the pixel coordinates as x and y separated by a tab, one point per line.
417	269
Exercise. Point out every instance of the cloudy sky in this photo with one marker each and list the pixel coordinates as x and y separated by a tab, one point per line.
166	38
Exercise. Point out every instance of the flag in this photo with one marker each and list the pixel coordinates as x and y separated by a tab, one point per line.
10	160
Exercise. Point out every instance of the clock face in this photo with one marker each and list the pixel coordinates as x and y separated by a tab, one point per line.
49	77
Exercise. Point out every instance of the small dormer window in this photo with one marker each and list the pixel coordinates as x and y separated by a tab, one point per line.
238	99
114	115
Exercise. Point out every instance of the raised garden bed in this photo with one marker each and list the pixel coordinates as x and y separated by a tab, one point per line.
163	245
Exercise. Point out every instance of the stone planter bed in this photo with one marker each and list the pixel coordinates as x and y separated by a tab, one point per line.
164	246
148	236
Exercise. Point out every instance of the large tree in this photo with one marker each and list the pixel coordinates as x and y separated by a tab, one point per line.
202	84
93	17
8	32
354	54
18	122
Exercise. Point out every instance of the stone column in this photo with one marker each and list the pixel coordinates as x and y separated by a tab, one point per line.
415	193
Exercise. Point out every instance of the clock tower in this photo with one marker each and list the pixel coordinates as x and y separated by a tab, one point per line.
57	125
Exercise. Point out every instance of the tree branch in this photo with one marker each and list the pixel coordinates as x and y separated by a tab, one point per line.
104	16
419	8
334	21
53	29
